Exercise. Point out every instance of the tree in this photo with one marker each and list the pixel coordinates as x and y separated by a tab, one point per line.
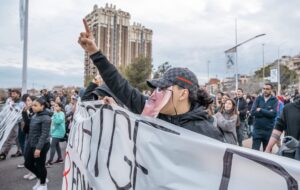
287	76
138	72
161	69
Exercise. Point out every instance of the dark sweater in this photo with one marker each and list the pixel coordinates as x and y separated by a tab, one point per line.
289	120
195	120
39	130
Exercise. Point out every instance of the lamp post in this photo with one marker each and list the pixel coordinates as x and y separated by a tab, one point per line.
24	34
234	49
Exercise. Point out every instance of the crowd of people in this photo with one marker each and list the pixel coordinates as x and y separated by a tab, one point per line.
244	115
176	98
44	125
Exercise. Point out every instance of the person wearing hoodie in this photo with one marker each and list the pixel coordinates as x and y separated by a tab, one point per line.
228	120
264	111
176	98
38	143
89	91
95	91
58	131
289	122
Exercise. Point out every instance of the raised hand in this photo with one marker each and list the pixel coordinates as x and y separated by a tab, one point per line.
87	42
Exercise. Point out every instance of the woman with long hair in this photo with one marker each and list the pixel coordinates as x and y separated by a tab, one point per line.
228	120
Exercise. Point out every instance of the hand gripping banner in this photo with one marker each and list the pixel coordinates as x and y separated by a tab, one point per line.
110	148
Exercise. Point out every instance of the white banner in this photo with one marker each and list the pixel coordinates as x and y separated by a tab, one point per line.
9	116
110	148
273	75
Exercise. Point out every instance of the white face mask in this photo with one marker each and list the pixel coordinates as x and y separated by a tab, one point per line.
158	99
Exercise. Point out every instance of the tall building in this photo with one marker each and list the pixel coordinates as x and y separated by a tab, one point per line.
117	39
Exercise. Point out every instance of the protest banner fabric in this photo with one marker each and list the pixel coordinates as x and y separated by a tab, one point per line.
110	148
9	116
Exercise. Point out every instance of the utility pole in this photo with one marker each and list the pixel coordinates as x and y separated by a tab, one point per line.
234	50
236	60
25	45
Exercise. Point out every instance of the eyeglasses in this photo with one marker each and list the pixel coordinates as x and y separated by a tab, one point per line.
160	90
266	88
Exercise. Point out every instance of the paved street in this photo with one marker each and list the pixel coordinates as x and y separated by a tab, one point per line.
11	178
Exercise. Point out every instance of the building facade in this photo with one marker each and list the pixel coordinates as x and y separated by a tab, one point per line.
213	86
294	64
117	39
228	83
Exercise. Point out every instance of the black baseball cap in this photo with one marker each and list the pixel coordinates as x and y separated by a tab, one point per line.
182	77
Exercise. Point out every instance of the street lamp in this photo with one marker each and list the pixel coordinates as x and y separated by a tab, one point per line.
234	50
24	36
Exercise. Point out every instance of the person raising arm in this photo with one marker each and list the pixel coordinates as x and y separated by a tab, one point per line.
176	97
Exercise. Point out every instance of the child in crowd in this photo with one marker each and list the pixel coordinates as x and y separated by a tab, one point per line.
58	131
38	143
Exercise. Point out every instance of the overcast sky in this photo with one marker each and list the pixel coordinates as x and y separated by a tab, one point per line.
186	33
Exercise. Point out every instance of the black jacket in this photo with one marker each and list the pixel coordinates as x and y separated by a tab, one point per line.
93	91
250	119
195	120
289	120
242	107
39	130
264	119
88	93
